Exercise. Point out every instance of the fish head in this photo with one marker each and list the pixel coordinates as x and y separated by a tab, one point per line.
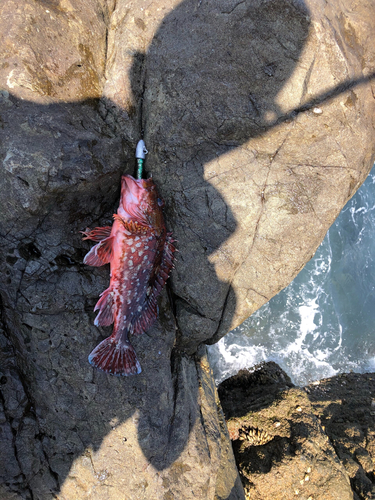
141	202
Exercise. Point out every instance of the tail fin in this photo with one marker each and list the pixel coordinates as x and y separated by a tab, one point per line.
115	357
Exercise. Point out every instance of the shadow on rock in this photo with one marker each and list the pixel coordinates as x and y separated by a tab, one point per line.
345	406
208	87
280	447
61	174
205	86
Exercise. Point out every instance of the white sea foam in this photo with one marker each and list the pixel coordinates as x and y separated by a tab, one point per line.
323	323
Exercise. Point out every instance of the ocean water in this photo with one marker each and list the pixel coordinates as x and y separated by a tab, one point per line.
323	323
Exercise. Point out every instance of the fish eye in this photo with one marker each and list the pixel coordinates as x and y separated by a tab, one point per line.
160	202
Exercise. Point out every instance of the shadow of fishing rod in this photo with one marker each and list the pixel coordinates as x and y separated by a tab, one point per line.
322	98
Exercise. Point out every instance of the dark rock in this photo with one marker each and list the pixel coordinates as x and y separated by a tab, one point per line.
257	386
345	406
289	442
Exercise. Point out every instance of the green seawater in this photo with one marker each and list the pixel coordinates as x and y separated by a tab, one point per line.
323	323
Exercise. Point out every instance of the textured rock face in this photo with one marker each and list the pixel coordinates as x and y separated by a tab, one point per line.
316	442
67	433
345	406
252	179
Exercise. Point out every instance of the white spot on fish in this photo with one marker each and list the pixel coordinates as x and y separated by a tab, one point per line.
125	316
140	253
130	262
138	244
139	308
130	242
129	301
133	249
136	238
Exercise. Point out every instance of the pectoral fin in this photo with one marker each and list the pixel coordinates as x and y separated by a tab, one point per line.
97	234
101	253
132	226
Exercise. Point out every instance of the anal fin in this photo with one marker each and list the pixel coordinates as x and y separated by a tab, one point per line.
105	305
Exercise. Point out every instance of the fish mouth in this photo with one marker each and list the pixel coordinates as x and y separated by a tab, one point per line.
133	189
133	193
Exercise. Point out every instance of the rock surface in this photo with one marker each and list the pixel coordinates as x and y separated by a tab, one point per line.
255	162
252	177
312	443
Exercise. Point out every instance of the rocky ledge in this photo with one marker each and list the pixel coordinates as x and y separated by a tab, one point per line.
311	443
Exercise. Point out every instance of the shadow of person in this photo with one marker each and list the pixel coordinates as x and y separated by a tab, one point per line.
205	86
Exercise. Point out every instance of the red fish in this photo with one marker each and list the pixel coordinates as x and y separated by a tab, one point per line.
141	254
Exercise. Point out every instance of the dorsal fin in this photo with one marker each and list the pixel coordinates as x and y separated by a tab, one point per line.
150	308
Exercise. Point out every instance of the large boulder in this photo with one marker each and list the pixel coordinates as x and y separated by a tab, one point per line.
258	119
70	431
316	442
258	137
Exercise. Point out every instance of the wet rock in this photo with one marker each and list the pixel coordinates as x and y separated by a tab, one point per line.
345	406
316	442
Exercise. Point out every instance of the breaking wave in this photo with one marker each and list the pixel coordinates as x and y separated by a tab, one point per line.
323	323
